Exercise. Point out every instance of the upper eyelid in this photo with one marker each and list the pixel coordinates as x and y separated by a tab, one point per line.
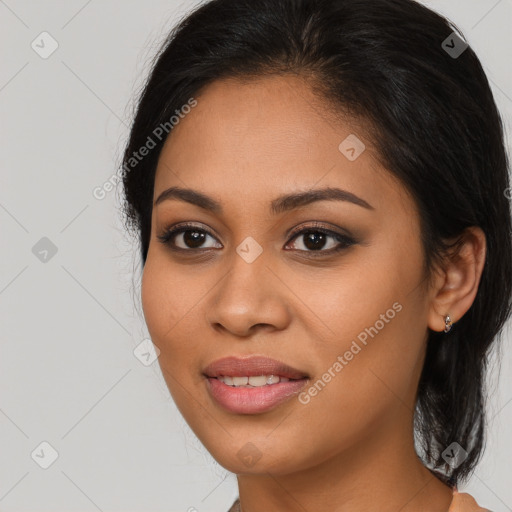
315	226
291	234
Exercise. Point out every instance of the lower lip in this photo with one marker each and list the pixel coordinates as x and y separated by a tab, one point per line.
255	400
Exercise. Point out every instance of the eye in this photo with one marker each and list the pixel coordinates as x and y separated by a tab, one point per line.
185	237
314	239
190	238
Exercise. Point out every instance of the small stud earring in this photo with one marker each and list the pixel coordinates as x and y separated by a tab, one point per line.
447	323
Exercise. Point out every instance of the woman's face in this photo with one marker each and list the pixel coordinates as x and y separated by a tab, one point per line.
242	282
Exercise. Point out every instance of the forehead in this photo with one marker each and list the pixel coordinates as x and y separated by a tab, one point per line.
253	140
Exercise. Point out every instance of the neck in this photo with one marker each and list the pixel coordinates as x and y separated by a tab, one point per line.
382	469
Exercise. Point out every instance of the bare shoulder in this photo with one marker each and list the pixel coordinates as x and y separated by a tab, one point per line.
464	502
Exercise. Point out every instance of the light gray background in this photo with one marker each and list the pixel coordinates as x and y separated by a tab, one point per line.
68	375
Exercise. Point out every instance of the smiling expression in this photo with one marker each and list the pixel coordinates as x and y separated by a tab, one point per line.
287	250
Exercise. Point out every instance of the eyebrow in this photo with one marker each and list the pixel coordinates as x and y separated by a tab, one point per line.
279	205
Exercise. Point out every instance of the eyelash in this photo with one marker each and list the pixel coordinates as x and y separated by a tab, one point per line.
344	241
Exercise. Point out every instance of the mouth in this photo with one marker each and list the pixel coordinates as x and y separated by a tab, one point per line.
254	366
254	381
252	385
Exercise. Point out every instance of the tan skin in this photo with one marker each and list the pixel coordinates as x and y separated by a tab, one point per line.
350	447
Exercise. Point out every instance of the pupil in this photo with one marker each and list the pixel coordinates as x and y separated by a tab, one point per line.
315	240
193	238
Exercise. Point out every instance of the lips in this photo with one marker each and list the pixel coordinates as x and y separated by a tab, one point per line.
282	383
251	367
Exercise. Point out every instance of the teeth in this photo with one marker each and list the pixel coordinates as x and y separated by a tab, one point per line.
258	381
254	381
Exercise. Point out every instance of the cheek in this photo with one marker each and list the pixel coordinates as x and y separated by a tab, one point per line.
365	293
168	295
156	303
354	398
165	309
165	305
374	311
172	300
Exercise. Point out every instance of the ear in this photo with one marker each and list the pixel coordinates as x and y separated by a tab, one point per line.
456	284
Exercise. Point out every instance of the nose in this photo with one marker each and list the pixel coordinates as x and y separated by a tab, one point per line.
249	298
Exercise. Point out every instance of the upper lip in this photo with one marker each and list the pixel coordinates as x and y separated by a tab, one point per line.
251	366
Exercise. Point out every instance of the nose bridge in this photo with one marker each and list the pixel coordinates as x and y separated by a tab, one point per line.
248	273
247	294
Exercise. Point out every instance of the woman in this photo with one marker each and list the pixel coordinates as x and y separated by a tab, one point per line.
320	193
